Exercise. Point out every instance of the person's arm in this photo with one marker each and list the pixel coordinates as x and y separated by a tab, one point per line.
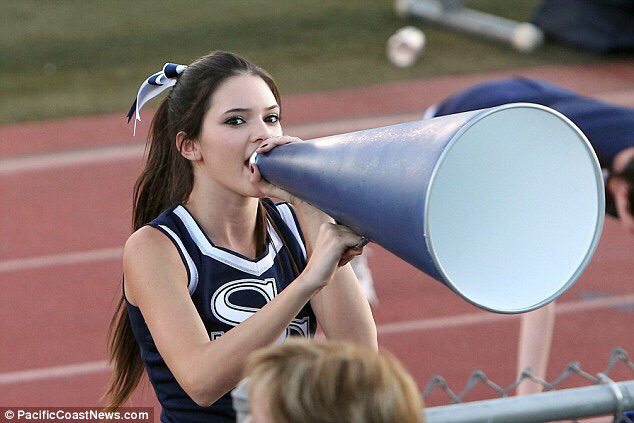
156	281
341	308
536	334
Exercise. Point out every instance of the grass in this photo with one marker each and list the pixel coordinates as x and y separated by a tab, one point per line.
72	57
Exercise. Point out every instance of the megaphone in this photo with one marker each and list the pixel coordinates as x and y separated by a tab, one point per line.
505	205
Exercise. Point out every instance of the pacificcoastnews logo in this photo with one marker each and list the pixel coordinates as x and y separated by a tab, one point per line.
76	414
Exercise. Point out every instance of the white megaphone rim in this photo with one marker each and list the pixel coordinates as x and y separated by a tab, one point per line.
597	228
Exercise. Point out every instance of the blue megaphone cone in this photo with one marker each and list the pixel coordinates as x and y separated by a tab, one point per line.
504	205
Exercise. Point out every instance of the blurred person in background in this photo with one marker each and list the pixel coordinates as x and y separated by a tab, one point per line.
305	381
608	127
214	269
610	130
599	26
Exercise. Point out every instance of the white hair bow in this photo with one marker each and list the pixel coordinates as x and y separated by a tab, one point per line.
153	86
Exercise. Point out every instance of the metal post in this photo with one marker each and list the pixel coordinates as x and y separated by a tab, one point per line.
574	403
523	36
590	401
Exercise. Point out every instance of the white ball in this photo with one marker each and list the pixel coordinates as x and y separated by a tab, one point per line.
526	37
405	46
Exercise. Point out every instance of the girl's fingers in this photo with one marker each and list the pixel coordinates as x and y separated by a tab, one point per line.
349	254
354	242
342	262
273	142
267	189
352	239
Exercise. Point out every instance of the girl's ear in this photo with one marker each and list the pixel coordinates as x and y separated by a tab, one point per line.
188	148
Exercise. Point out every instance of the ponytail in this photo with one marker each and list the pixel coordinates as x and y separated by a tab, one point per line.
125	355
167	178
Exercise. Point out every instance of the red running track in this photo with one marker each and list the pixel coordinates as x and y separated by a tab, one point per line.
66	187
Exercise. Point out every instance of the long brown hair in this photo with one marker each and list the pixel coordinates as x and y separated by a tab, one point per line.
168	178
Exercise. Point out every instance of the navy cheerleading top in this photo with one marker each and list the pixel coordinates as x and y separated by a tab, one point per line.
226	288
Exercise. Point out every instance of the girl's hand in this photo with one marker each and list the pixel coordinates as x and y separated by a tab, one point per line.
335	246
267	189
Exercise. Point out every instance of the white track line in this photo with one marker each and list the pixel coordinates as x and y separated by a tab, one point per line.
81	157
484	317
46	161
36	262
420	325
31	375
49	161
440	323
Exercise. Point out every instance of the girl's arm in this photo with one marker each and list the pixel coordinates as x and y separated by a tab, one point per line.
341	308
156	281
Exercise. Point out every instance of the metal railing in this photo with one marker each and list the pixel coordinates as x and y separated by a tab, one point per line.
523	36
604	397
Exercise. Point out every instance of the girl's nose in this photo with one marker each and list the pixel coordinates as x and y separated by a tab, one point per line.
261	132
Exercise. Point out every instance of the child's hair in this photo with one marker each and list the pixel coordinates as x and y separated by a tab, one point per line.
330	382
168	178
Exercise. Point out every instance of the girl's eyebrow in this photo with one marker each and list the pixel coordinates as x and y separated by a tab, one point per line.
275	106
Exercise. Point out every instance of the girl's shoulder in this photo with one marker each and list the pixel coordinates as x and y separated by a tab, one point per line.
149	236
144	241
147	254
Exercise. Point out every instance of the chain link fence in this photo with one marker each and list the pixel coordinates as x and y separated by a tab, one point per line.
604	397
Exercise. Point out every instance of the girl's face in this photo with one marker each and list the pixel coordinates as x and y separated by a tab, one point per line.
243	114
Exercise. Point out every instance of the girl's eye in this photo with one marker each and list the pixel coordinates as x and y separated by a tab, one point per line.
272	118
235	121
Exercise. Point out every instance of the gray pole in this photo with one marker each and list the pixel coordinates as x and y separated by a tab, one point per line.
610	398
590	401
522	36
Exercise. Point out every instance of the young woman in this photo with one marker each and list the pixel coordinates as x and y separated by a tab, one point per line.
334	382
215	270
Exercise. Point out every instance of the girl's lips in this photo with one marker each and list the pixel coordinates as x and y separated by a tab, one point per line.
250	161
